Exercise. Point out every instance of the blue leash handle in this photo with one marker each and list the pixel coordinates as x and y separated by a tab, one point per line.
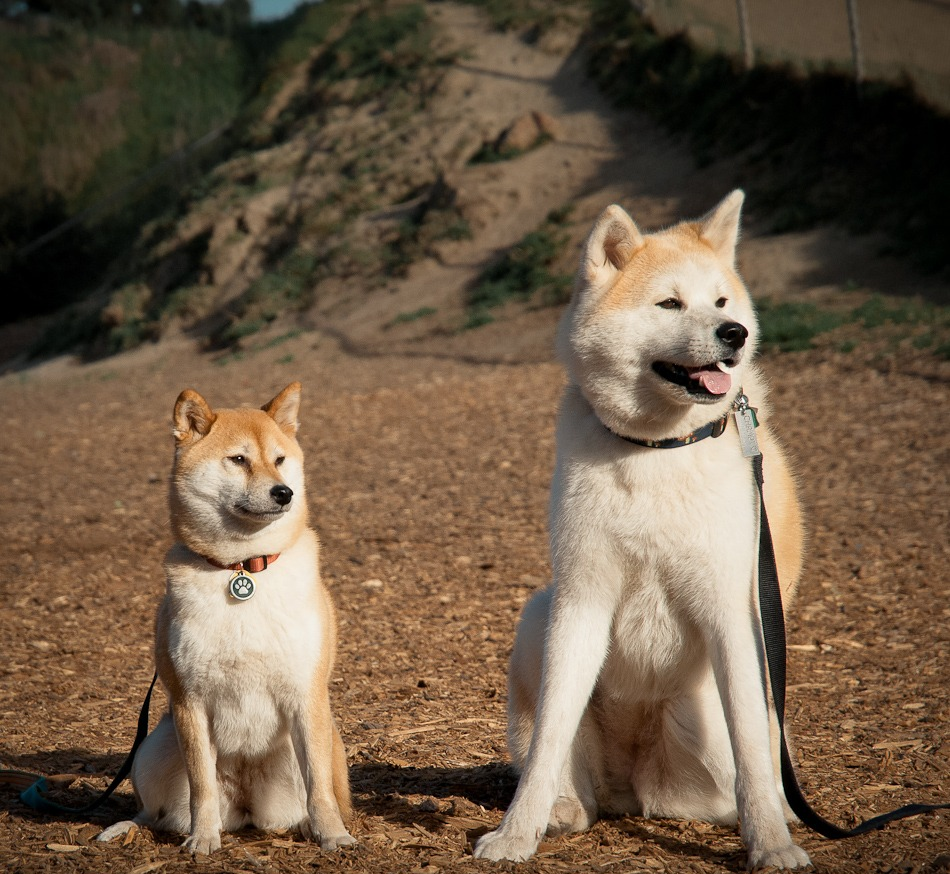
34	796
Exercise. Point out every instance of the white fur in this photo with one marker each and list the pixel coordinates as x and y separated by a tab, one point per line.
636	682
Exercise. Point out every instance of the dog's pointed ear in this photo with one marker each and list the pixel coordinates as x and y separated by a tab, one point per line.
193	417
611	244
284	409
720	228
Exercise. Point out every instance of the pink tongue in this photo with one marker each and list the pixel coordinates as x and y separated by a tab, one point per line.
713	379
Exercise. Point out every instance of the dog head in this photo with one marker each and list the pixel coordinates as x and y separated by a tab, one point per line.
660	326
237	486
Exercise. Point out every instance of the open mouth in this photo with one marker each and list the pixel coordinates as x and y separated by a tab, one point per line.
710	381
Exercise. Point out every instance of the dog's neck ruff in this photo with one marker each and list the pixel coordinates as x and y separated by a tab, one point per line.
253	565
712	429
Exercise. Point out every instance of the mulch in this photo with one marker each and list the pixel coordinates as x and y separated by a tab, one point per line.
428	480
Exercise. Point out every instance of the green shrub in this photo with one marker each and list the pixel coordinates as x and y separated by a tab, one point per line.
790	326
527	269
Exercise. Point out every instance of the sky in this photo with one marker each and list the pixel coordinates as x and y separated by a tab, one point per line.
267	10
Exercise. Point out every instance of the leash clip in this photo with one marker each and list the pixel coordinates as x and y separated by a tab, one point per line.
746	423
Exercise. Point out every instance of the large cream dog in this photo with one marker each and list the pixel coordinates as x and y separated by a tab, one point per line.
636	681
244	643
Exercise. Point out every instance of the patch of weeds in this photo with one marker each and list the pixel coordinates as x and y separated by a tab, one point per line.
230	358
403	248
790	326
455	229
413	316
527	269
434	218
73	328
531	17
381	52
877	311
288	287
283	338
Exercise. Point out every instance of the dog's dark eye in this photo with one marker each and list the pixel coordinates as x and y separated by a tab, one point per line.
279	461
671	303
722	302
239	460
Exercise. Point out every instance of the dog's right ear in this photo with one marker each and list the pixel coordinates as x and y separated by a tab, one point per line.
193	417
612	242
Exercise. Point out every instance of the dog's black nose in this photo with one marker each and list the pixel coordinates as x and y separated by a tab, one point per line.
732	334
282	495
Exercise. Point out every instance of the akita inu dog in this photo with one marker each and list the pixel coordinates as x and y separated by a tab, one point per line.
244	641
636	683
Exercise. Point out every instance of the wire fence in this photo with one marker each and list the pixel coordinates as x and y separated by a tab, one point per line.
887	40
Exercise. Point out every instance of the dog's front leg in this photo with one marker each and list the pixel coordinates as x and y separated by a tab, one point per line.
738	666
313	740
574	651
194	738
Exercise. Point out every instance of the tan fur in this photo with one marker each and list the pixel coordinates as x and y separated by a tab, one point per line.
249	738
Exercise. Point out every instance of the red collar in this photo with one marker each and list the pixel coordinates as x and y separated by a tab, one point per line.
254	565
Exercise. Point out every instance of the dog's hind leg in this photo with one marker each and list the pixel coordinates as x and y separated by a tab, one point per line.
122	828
688	770
160	783
576	807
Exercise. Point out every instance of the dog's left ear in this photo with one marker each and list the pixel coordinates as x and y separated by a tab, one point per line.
284	408
720	228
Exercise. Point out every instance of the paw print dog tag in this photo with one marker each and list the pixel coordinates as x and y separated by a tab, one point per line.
241	585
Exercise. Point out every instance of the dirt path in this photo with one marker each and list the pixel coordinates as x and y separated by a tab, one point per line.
428	480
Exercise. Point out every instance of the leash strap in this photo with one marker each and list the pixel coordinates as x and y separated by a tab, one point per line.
34	797
773	630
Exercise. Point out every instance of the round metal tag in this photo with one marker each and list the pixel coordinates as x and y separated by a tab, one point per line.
241	586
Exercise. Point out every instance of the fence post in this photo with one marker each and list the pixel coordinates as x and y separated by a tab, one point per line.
745	36
855	34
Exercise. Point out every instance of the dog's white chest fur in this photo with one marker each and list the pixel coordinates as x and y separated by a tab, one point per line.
665	523
250	662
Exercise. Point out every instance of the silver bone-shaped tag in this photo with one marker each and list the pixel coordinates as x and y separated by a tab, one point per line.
746	423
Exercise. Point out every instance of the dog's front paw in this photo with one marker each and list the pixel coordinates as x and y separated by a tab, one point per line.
497	846
203	843
789	856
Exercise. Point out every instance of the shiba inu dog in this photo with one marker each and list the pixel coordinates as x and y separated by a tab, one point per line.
244	642
636	683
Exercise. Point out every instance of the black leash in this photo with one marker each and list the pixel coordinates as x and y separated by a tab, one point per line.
773	630
773	626
34	794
